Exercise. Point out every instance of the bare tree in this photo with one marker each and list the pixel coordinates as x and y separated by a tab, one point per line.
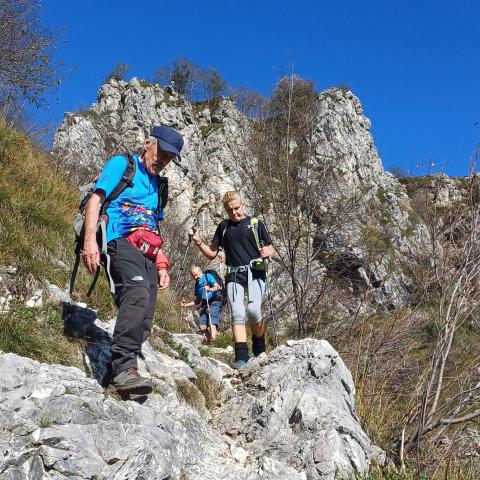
253	104
215	85
453	296
118	73
190	80
28	67
292	188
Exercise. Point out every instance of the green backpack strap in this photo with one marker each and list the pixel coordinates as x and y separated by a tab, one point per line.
254	224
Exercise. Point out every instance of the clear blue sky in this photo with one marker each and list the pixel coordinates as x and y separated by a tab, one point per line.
414	65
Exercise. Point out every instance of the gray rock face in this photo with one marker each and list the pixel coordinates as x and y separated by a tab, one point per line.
57	423
297	406
379	232
289	416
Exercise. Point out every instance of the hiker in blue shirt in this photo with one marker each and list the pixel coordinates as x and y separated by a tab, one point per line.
132	257
209	298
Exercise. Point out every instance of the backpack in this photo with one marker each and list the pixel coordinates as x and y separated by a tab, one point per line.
86	193
219	280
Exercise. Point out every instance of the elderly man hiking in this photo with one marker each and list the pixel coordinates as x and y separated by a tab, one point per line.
209	298
244	239
134	262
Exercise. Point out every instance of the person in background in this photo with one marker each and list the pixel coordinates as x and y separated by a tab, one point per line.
208	297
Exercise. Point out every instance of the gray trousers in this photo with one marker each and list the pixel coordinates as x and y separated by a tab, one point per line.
135	279
236	298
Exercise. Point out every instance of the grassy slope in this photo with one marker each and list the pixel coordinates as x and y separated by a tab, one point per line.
37	207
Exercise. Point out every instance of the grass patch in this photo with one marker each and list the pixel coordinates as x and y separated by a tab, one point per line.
157	390
37	208
209	388
222	356
33	199
159	338
88	114
46	422
375	240
190	394
210	128
223	341
393	474
38	334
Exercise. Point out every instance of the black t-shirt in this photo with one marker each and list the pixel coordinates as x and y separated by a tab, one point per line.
238	243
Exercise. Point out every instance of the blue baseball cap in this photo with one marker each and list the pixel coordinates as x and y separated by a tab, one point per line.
169	140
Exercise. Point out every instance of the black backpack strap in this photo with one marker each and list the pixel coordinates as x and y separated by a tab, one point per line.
125	181
162	192
74	271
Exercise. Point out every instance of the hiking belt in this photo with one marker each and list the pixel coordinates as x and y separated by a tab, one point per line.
256	264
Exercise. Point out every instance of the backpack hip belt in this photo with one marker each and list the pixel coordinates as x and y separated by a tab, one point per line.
254	264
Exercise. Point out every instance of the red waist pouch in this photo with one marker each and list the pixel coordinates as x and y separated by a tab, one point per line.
150	244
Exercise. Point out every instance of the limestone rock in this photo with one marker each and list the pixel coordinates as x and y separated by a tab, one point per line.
381	229
297	407
288	416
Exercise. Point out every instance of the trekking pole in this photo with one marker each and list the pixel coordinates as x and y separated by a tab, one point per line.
209	318
270	301
182	266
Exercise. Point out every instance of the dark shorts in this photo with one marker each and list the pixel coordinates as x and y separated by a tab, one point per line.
215	312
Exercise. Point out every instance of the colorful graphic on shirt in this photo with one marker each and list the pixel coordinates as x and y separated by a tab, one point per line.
134	217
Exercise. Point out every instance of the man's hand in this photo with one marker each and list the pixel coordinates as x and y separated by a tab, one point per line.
91	257
163	279
90	253
267	251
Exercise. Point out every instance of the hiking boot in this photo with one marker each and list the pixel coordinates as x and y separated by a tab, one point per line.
132	382
239	364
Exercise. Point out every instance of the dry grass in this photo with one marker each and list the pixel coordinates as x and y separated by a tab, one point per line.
190	394
38	334
37	208
209	388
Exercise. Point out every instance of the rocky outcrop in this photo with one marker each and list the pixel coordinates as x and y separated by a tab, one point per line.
379	230
123	115
376	229
290	416
298	406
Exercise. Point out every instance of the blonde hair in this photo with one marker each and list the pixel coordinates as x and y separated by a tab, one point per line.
232	196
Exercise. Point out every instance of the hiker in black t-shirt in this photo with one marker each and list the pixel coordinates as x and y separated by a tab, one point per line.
245	242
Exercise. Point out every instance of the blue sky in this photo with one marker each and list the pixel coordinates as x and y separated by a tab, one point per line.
414	65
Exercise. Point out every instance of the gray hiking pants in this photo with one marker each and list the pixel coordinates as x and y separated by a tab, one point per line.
236	297
135	279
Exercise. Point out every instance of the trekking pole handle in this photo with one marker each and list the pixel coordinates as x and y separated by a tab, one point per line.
262	244
190	235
